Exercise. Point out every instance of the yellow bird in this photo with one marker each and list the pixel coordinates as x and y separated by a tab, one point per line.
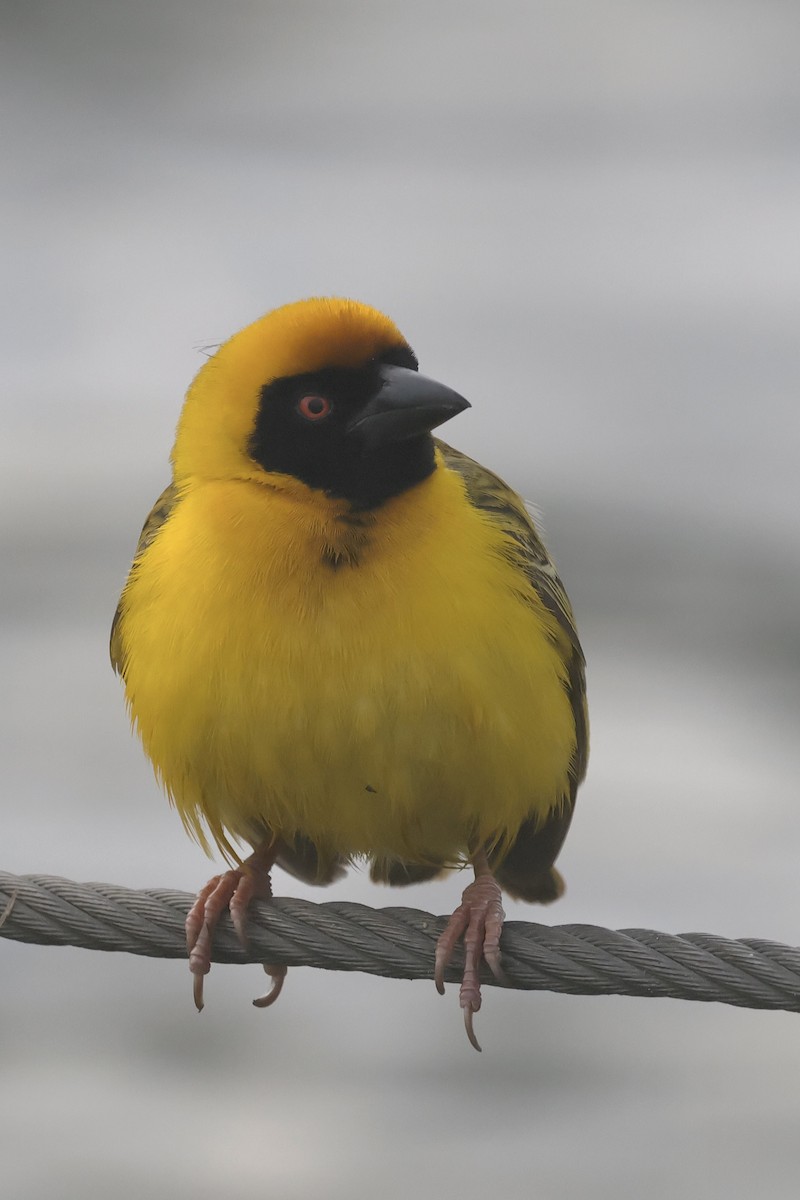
341	639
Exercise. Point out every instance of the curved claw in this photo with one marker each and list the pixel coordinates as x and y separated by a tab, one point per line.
277	974
493	961
439	967
473	1041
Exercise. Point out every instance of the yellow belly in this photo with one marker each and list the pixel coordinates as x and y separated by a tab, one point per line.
406	700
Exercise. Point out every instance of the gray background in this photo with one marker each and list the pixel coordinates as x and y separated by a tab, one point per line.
584	216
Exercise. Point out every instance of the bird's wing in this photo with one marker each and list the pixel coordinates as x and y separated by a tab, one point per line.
526	866
159	513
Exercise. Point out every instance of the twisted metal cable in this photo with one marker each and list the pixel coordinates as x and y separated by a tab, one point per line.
399	943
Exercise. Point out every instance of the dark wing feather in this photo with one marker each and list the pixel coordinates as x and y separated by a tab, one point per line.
525	869
159	513
301	858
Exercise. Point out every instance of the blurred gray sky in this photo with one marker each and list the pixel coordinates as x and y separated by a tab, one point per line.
584	216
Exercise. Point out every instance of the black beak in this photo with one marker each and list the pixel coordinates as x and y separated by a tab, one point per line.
407	405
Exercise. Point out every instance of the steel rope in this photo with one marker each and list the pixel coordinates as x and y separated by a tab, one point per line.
399	943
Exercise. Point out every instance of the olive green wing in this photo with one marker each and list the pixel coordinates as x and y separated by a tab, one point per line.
525	869
159	513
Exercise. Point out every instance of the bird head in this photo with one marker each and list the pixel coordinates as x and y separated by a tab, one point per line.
325	391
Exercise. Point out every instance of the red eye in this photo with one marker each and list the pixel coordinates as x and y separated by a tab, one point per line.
314	408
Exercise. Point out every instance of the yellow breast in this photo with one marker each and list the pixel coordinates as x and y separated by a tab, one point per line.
386	685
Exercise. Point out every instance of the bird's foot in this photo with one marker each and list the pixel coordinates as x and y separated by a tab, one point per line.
479	918
232	891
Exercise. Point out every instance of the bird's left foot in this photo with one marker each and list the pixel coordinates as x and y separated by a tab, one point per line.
479	917
230	891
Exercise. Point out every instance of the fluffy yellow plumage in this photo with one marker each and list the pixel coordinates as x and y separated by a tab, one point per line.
346	643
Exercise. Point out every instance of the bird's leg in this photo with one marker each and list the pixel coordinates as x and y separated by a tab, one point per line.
479	917
232	890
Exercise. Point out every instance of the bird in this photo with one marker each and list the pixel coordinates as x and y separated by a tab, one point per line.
343	641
